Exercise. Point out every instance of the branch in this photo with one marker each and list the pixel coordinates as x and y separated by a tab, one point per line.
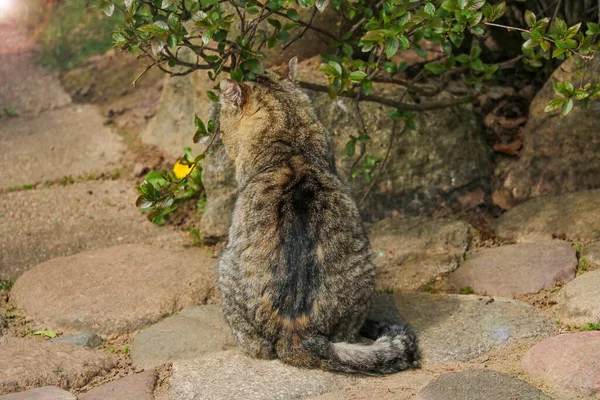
288	44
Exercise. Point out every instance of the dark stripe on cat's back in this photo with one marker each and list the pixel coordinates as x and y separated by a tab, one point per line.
297	275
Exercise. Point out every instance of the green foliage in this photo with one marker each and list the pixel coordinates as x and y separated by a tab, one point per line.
584	264
591	326
466	290
6	285
45	333
10	112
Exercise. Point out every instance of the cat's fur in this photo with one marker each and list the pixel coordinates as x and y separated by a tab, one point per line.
296	276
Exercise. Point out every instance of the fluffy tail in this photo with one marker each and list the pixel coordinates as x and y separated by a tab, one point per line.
394	349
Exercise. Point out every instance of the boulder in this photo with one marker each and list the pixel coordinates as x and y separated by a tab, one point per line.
476	384
115	290
571	362
412	252
455	328
189	334
579	300
516	269
560	153
573	216
42	224
30	363
592	254
132	387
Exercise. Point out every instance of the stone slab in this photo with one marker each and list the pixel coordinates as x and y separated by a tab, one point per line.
189	334
115	290
579	300
132	387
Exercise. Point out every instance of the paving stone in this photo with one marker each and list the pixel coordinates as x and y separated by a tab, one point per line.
412	252
231	375
30	363
517	269
478	384
64	142
41	224
115	290
461	327
132	387
43	393
570	361
189	334
591	253
90	340
575	216
579	300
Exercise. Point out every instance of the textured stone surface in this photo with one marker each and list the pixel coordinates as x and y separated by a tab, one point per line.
80	339
575	216
411	252
72	141
132	387
579	300
517	269
571	362
591	253
460	328
477	384
41	224
560	153
26	87
30	363
231	375
43	393
114	290
189	334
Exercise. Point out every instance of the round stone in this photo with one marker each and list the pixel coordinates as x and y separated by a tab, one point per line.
579	300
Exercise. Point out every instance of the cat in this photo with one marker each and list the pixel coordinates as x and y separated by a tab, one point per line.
296	276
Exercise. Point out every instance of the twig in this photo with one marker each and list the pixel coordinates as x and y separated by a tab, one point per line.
288	44
148	68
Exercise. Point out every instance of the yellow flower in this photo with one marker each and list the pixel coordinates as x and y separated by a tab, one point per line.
181	170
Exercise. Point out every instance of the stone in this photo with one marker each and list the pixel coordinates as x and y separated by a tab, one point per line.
517	269
89	340
455	328
560	153
115	290
73	141
448	164
573	216
230	375
579	300
42	393
41	224
189	334
412	252
592	254
571	362
27	88
476	384
30	363
132	387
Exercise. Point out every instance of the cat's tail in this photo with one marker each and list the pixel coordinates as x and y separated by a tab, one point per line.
394	349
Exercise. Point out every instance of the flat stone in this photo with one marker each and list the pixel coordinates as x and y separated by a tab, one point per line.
454	328
576	216
115	290
477	384
592	254
571	362
189	334
42	224
73	141
231	375
26	87
89	340
579	300
30	363
412	252
517	269
132	387
43	393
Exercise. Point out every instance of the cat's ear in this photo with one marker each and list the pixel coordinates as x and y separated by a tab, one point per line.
289	71
231	92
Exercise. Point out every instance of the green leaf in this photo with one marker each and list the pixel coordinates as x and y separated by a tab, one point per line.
592	29
450	5
351	147
463	58
373	36
252	10
327	69
253	65
475	4
435	67
554	105
530	19
391	47
167	3
357	76
429	9
212	96
498	11
292	14
567	106
572	31
337	67
475	52
545	45
109	9
366	86
404	42
580	94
